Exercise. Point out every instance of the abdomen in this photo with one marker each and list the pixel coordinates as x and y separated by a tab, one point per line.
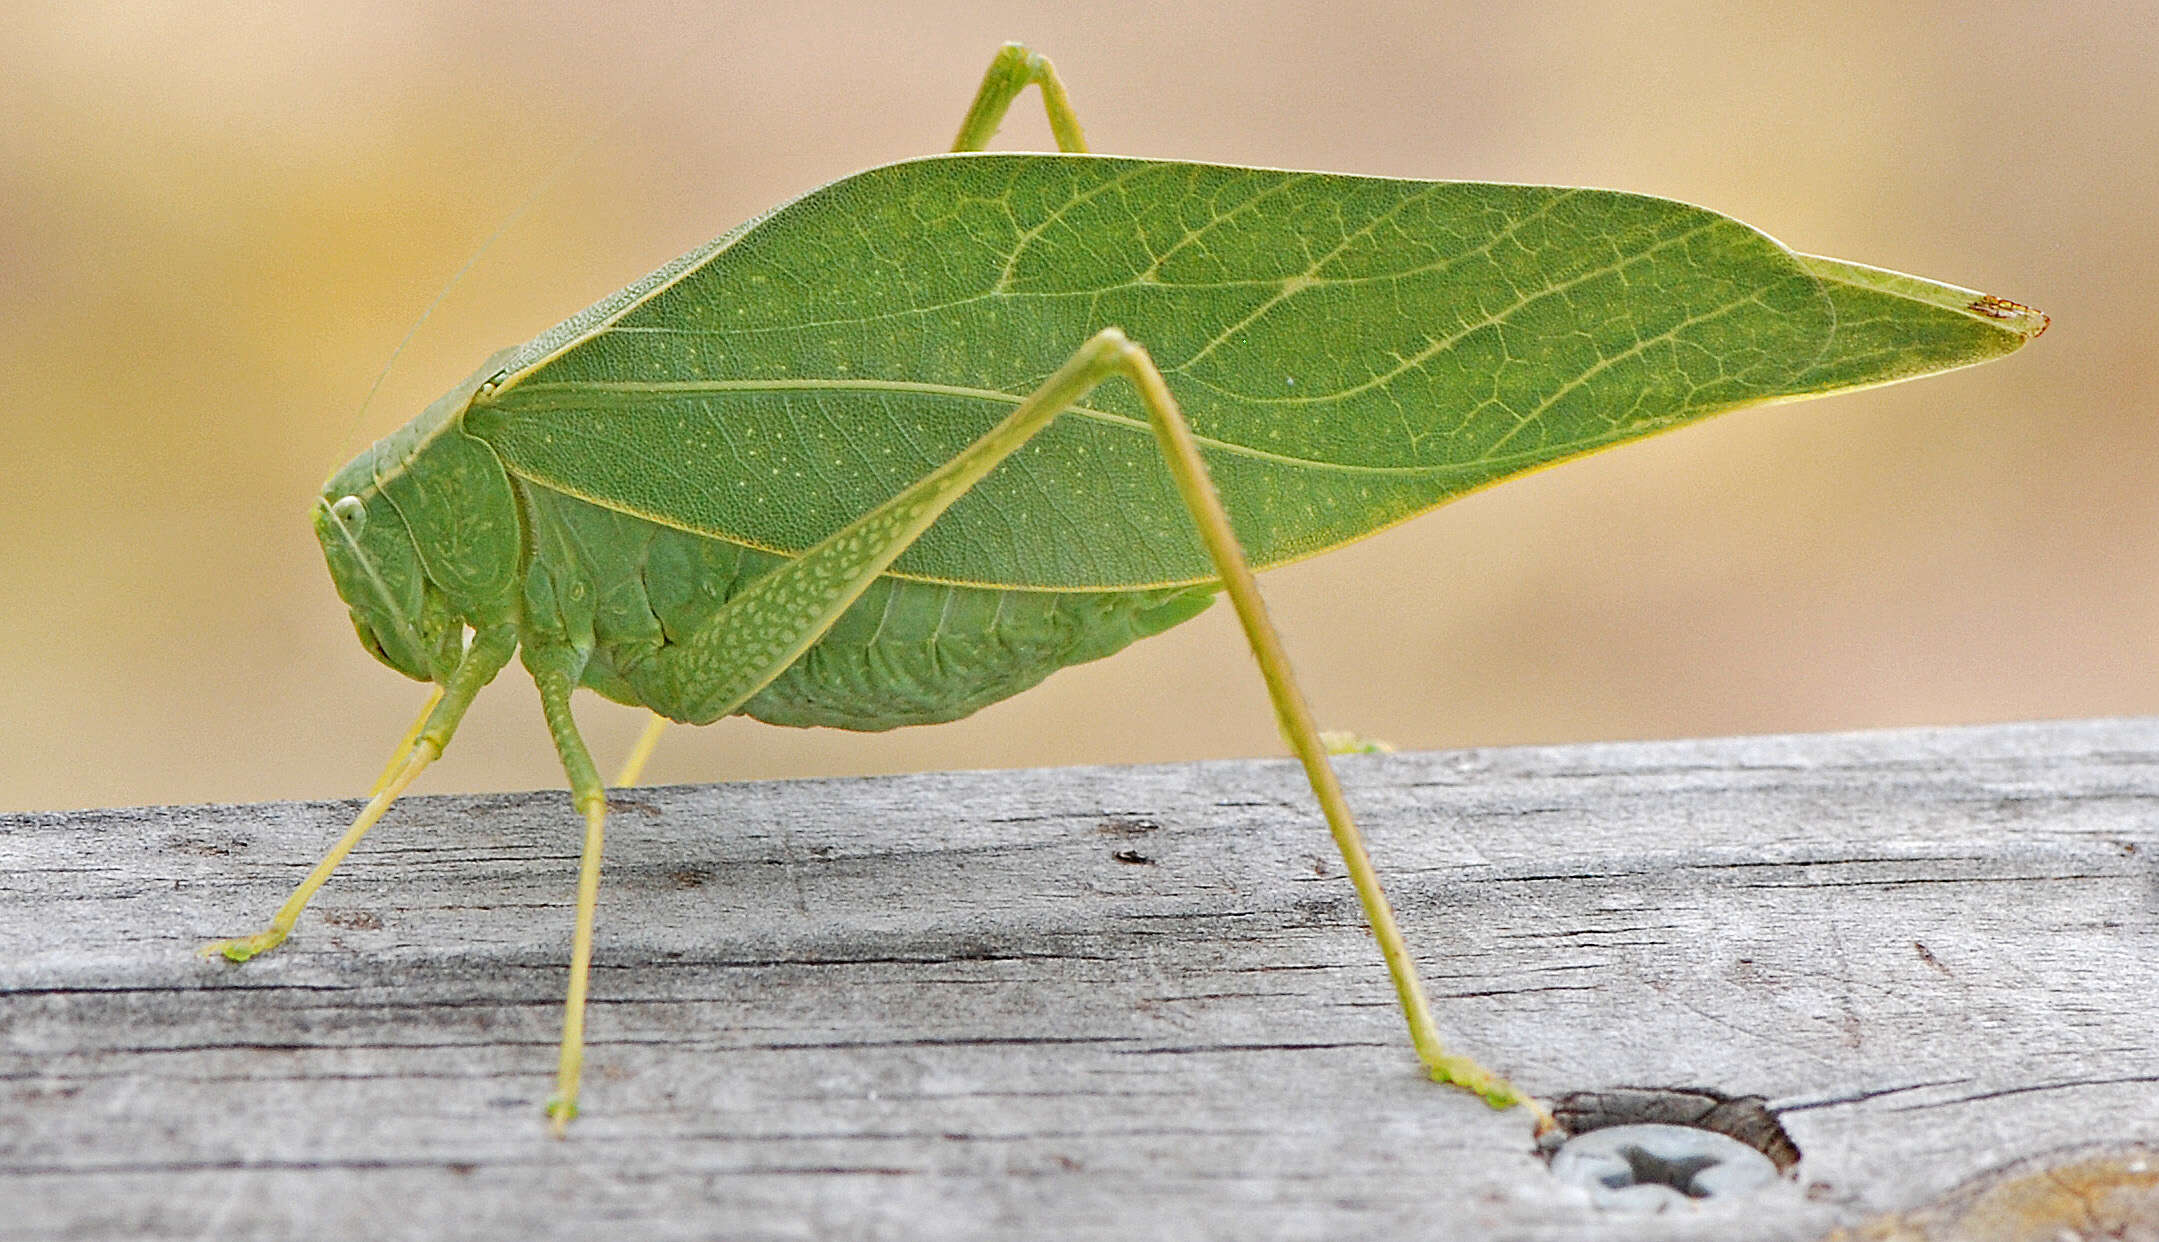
905	653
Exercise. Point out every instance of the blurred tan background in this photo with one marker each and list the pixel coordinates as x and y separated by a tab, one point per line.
217	219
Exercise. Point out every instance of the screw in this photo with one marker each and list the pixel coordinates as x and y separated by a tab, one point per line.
1650	1167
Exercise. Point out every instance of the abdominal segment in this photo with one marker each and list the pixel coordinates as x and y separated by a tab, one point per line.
906	652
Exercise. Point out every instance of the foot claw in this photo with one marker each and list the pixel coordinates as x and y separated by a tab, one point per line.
244	947
1471	1077
560	1113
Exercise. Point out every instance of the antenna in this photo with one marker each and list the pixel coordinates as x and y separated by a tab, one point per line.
524	207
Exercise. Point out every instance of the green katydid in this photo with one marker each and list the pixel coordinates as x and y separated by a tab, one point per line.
859	463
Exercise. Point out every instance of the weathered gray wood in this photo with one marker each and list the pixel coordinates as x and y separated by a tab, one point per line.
1087	1003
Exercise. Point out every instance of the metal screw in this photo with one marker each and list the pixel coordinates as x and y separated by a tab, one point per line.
1651	1167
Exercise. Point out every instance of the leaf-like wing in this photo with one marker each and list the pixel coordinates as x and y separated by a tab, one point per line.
1350	350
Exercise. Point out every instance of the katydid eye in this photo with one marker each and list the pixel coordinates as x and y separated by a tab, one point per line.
350	512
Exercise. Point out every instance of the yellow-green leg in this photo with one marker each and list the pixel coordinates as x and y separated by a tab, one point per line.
421	746
1295	718
405	744
417	756
555	672
769	624
1014	69
634	767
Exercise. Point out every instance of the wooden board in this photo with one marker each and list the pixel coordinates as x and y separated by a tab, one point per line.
1089	1002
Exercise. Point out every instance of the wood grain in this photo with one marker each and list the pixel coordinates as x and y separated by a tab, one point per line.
1090	1002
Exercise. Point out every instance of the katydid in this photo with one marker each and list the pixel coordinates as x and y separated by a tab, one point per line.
903	447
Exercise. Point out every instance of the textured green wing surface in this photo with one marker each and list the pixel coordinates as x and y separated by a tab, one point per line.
1894	327
905	653
1350	350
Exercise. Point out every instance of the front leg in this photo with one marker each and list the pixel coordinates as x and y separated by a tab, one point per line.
422	745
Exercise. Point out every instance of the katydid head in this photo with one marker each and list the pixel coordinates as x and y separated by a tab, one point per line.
422	536
399	617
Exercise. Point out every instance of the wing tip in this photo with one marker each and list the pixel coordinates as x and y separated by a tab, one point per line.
2026	321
